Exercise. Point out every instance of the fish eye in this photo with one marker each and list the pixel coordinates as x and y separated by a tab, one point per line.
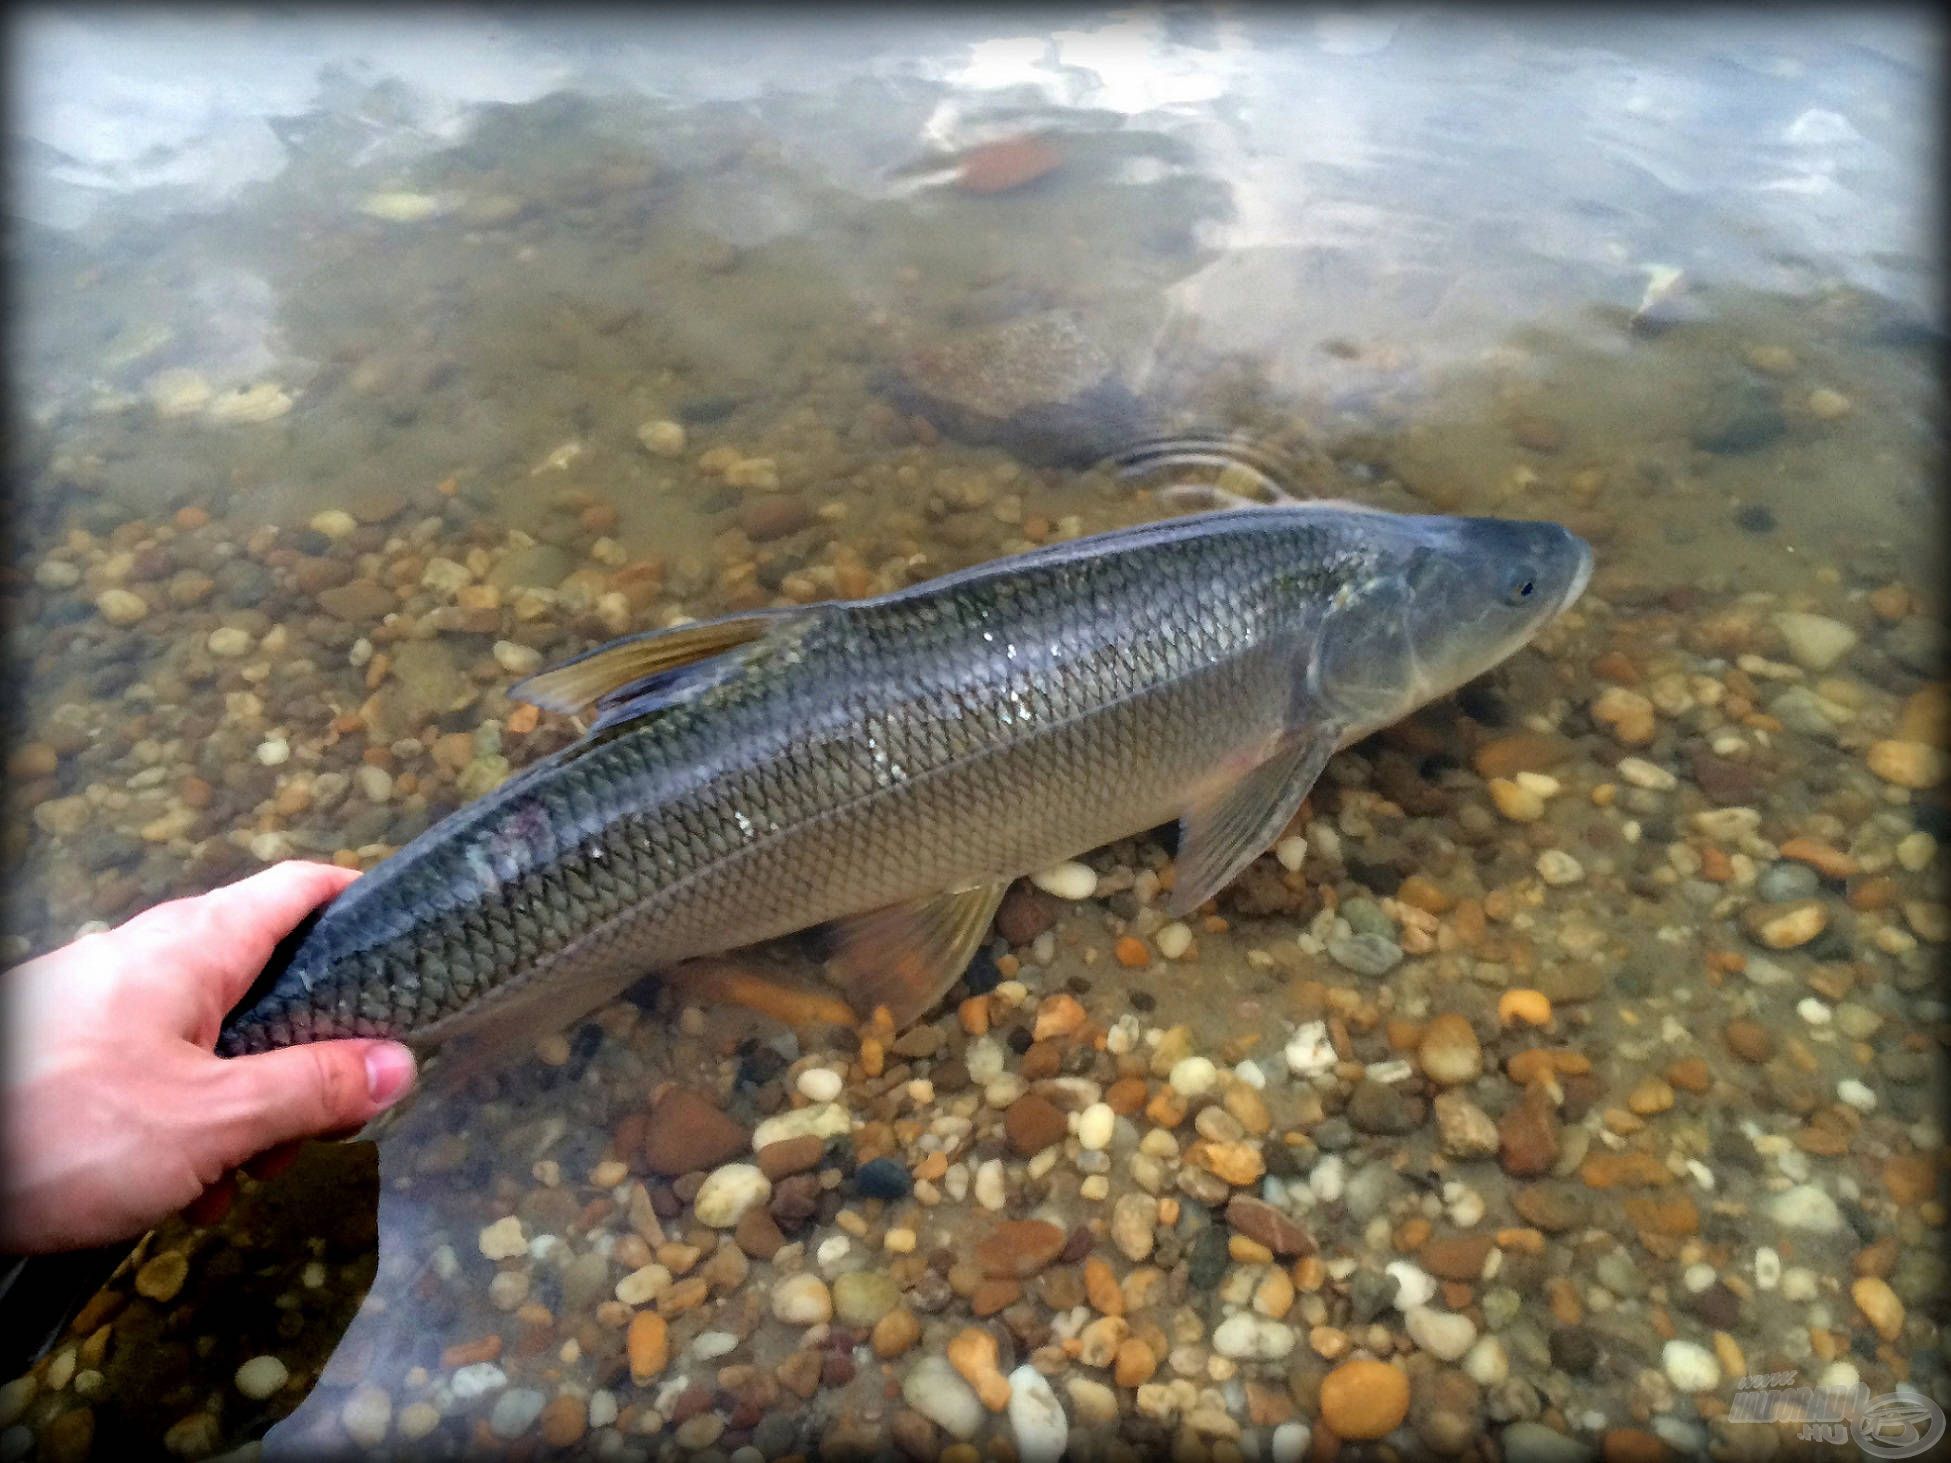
1519	586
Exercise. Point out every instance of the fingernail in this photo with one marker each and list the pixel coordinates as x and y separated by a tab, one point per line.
389	1071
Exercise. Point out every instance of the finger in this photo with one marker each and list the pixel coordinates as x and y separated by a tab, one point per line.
256	1102
239	925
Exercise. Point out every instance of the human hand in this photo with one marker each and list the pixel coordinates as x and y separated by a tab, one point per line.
117	1110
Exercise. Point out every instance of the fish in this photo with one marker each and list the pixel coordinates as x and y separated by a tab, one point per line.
884	768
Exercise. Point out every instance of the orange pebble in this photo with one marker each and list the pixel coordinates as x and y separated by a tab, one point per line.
1132	953
1532	1008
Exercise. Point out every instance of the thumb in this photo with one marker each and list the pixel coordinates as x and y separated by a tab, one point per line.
307	1091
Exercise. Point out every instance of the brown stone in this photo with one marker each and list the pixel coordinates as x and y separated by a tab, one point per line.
774	515
1018	1248
1749	1040
1025	913
1456	1257
1527	1138
1676	1216
687	1132
1263	1223
1033	1123
789	1156
1506	756
1632	1169
1690	1074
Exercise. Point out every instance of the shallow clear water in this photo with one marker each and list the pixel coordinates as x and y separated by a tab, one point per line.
407	353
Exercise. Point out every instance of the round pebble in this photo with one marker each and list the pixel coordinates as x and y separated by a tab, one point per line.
1364	1399
259	1377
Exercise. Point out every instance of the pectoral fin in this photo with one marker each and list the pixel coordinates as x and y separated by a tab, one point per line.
1230	825
905	957
641	672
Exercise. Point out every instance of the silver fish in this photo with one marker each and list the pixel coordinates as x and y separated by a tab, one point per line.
889	765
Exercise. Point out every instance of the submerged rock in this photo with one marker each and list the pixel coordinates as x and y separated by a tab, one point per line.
1039	386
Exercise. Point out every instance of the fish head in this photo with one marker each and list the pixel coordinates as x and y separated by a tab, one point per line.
1441	601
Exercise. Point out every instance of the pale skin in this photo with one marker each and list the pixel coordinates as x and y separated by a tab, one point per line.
117	1111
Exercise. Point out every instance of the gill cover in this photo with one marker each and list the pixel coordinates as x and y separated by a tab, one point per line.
1365	672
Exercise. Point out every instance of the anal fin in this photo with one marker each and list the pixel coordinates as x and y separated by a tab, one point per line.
1230	825
905	957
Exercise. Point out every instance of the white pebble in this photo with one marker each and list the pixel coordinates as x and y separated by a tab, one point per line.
821	1120
1487	1363
1289	1444
1798	1283
1690	1366
819	1084
802	1300
728	1192
334	523
1309	1052
662	438
989	1190
1327	1179
1036	1417
1915	851
1095	1126
1641	773
1250	1337
1813	1011
375	783
1558	868
1768	1268
1815	642
259	1377
1070	880
1415	1286
1249	1072
643	1285
1856	1095
274	752
1292	853
517	660
935	1390
503	1240
1806	1207
1193	1076
1173	940
229	642
1445	1335
368	1411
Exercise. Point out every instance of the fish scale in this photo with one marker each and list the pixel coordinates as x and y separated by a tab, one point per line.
865	755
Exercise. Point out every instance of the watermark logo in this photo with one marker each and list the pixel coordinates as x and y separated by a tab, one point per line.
1898	1425
1893	1425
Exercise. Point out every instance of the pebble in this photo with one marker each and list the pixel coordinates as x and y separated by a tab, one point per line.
861	1298
1070	880
1879	1305
1134	1225
802	1300
935	1390
1446	1335
662	438
229	642
1249	1337
1558	868
1914	765
1309	1052
1367	954
819	1084
121	606
504	1239
517	660
1807	1208
1815	642
1690	1366
1363	1399
1516	802
1827	404
1173	940
1449	1051
1784	927
515	1411
259	1377
1095	1125
367	1413
728	1192
1291	853
1193	1076
647	1345
1525	1441
162	1276
1036	1417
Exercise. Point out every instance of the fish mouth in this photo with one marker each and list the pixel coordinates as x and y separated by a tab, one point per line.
1580	579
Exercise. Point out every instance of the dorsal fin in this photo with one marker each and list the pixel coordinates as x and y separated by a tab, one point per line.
619	679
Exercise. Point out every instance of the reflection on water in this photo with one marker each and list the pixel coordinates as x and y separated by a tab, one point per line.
364	366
